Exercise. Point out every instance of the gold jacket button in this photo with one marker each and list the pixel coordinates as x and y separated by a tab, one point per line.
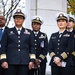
18	49
58	40
57	52
18	45
35	44
35	48
67	52
35	40
18	40
58	48
18	36
58	44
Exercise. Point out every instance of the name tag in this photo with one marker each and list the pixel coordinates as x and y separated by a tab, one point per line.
42	44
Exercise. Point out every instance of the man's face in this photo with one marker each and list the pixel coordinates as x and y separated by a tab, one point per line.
36	26
70	24
18	21
2	21
62	24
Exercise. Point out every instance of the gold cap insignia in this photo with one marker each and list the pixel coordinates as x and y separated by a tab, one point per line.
37	18
61	15
18	10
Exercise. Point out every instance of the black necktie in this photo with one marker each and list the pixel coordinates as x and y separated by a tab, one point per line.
35	33
19	31
1	34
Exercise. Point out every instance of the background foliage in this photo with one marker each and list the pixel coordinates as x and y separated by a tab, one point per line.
71	6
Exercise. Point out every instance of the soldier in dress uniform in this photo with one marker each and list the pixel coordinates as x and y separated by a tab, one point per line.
70	23
2	29
40	46
60	48
71	29
17	44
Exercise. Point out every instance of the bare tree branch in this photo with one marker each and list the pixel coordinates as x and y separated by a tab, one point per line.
6	3
11	8
10	11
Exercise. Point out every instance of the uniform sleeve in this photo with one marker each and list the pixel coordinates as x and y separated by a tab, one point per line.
73	53
51	48
43	54
32	51
69	49
3	56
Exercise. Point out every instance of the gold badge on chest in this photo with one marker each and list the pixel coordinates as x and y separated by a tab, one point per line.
26	31
11	32
42	36
66	35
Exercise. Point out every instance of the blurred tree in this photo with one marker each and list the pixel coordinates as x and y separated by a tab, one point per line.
71	6
7	7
